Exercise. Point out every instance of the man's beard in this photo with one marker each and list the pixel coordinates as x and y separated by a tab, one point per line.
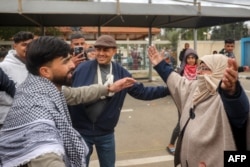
58	80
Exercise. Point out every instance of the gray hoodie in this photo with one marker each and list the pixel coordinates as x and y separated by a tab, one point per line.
187	52
16	70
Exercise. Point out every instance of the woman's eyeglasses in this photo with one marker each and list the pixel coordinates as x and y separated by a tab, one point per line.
203	68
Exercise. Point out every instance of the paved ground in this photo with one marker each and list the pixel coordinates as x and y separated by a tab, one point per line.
144	130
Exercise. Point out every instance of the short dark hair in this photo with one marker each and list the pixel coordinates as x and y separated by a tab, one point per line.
43	50
23	36
229	40
76	36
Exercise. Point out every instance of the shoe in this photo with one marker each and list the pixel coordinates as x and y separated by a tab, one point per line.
170	150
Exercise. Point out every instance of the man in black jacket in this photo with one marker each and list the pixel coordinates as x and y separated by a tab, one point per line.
182	53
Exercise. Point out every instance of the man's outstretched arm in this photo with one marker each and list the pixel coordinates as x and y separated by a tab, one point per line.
86	94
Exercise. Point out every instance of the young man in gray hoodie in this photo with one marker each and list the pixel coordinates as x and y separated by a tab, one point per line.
14	66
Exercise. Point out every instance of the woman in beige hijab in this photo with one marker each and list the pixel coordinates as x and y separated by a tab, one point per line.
213	109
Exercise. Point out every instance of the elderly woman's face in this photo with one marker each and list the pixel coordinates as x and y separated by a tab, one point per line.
203	69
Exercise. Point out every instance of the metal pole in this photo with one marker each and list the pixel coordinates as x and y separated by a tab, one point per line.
150	64
195	30
99	31
195	39
42	30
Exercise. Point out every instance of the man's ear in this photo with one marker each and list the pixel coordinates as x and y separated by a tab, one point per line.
45	72
14	45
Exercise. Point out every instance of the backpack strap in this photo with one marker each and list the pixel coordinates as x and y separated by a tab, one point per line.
177	156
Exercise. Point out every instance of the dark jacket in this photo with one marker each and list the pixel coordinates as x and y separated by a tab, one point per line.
107	120
181	55
237	109
6	84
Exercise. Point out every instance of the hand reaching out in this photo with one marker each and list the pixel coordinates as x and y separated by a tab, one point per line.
230	77
77	59
121	84
154	55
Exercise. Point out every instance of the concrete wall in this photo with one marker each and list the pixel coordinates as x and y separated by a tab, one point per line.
207	47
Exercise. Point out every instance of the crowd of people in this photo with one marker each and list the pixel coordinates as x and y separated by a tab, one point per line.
44	126
59	101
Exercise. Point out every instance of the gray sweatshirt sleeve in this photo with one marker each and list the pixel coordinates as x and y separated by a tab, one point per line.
84	94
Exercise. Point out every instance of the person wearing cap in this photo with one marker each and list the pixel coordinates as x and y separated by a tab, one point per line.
96	121
37	131
14	66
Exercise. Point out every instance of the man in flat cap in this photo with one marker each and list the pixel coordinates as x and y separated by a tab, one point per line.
96	121
37	131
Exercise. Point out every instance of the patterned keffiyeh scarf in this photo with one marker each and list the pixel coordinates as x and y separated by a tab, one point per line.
37	101
190	72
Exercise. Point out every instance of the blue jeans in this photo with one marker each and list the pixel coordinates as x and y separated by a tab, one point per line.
105	148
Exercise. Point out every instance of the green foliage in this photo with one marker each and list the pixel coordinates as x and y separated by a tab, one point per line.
188	34
6	33
171	35
235	31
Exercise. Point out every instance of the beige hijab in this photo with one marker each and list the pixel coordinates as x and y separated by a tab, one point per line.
208	84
